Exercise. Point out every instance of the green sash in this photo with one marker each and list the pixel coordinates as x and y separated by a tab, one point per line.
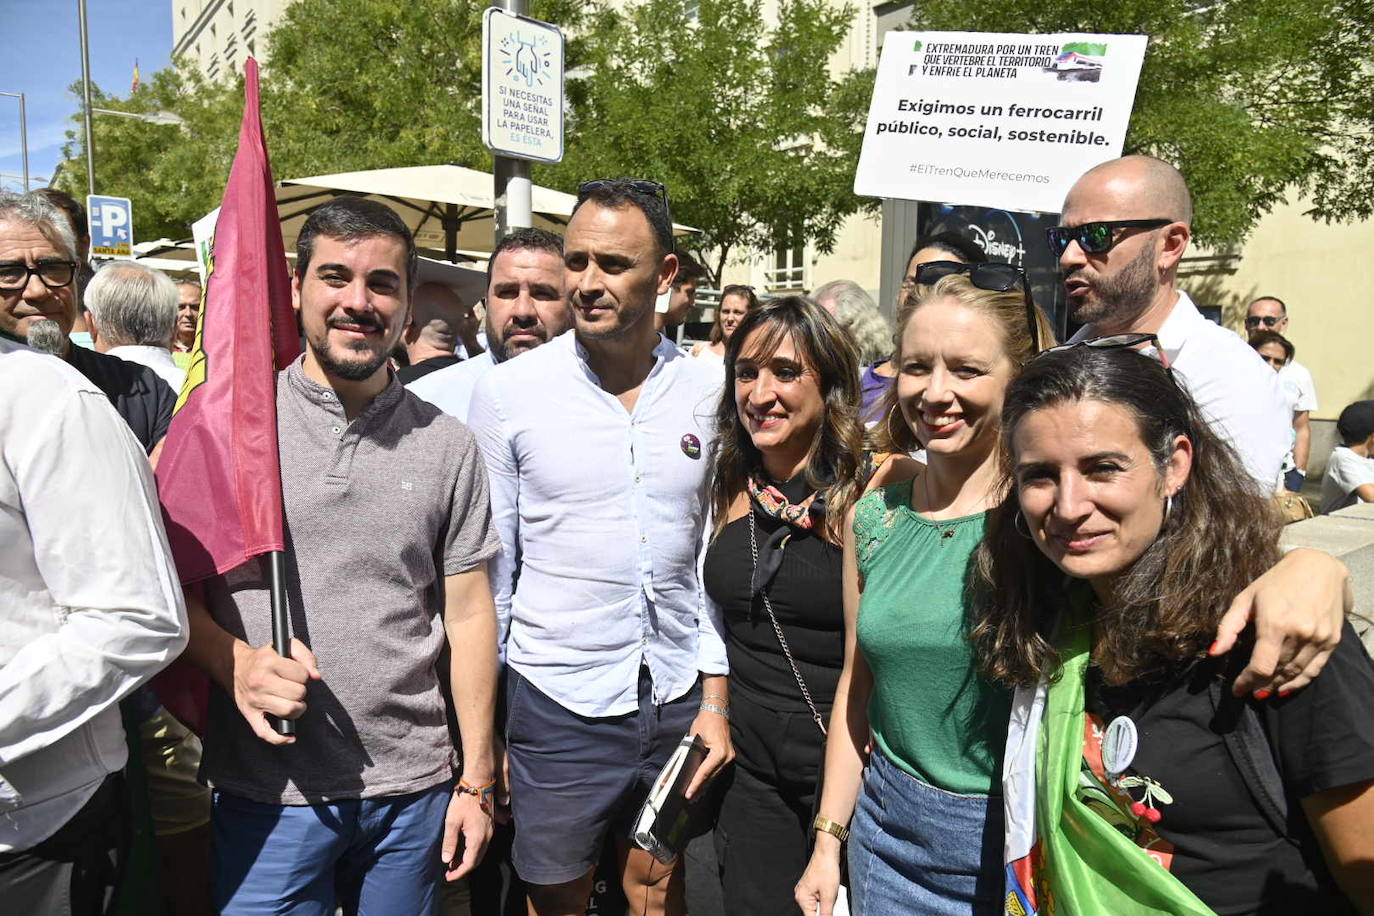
1088	866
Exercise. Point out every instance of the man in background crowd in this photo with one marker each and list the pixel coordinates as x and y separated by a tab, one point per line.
133	313
189	293
683	297
38	291
440	322
1125	226
1268	313
525	309
1349	474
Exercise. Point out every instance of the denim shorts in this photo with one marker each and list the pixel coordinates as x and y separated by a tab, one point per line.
574	777
914	848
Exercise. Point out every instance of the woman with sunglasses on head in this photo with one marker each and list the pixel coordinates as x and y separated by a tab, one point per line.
927	834
736	301
1152	787
939	246
787	470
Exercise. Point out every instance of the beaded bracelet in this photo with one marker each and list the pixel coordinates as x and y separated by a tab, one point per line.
483	793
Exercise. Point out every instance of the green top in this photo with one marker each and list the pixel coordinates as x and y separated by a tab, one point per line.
930	712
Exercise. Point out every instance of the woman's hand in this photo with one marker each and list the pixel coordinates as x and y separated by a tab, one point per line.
1298	608
819	886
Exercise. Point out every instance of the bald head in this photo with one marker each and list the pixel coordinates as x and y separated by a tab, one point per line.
1149	187
439	319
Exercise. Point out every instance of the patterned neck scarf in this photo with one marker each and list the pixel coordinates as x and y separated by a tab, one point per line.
807	515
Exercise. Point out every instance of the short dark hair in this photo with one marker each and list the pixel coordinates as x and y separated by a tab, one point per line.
1282	306
1356	422
964	249
526	240
352	218
1263	338
75	210
689	270
618	193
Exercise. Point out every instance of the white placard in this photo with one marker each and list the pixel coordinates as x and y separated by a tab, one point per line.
522	86
203	237
996	119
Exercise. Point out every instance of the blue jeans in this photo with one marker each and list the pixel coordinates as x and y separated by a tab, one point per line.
374	856
914	848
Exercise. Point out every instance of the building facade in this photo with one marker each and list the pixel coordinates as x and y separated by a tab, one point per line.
217	36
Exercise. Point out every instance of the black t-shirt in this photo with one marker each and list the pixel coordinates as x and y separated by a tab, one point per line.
143	399
807	598
1224	849
408	374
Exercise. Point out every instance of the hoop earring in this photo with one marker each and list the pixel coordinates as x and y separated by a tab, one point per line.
1016	523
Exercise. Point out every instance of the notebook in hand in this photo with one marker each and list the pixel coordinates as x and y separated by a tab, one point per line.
661	827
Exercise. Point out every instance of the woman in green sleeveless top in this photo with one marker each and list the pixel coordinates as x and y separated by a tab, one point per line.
927	816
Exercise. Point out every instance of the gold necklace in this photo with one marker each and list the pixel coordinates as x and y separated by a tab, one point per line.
945	532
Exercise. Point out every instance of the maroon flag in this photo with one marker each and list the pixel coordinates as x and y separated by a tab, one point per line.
219	475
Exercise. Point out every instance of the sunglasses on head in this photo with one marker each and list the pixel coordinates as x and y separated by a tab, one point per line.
993	276
1269	321
642	185
1096	238
1120	342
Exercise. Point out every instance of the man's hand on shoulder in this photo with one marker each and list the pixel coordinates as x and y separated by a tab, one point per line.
267	684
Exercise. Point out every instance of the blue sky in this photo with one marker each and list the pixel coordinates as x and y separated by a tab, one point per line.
43	58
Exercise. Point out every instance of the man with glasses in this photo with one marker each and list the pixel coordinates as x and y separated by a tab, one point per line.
1268	313
613	652
38	271
1125	226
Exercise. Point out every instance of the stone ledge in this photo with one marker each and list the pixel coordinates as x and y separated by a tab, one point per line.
1348	535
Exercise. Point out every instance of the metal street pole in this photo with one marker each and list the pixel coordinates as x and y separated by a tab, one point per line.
23	134
514	195
86	96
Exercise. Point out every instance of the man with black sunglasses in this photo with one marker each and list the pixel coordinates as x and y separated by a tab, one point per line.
1124	229
1269	313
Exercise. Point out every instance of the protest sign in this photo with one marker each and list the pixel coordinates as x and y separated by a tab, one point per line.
996	119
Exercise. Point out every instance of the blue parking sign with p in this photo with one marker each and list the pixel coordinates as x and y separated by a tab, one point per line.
111	222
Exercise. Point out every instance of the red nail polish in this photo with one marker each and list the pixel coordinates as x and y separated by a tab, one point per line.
1262	694
1212	649
1284	693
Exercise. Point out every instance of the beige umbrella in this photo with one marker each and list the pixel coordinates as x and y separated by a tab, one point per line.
451	209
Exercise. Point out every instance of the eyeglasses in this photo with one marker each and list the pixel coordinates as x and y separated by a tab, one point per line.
1119	342
993	276
642	185
1096	238
14	275
1269	321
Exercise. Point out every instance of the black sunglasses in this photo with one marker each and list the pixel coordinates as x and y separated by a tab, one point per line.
14	275
1096	238
642	185
1119	342
993	276
1269	321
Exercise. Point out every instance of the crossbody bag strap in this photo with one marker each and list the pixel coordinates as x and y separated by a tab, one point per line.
782	640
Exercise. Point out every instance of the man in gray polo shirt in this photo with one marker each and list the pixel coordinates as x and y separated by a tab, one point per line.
389	530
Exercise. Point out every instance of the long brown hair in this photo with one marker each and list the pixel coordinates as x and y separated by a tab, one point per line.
751	302
834	462
1219	535
892	433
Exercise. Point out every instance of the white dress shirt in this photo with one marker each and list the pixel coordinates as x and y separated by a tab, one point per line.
1296	374
450	388
603	520
89	602
1236	390
159	359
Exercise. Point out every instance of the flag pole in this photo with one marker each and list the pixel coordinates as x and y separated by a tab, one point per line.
281	625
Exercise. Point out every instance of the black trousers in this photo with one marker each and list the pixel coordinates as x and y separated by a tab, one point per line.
763	831
75	871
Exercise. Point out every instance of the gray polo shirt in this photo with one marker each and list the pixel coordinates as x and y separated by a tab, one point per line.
378	511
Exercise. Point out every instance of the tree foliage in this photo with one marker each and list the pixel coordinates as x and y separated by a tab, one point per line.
754	139
1251	99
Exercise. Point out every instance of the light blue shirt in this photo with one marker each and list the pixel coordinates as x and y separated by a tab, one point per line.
603	520
450	388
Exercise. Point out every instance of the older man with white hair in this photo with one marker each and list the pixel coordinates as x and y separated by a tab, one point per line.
133	310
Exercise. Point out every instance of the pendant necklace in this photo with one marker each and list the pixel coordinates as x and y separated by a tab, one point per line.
945	532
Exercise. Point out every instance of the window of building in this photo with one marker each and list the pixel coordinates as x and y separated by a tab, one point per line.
788	271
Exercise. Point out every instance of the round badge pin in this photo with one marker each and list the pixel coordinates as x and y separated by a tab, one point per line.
691	446
1119	745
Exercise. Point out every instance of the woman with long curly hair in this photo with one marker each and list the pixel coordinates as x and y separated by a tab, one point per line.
1153	788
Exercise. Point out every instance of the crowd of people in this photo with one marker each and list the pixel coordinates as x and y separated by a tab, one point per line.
968	620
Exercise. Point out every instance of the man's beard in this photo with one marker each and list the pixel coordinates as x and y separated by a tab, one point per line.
499	341
1116	300
45	335
348	369
626	320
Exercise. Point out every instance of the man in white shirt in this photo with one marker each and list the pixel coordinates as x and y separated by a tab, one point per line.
596	447
525	308
1349	474
1125	226
91	610
133	312
1269	313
